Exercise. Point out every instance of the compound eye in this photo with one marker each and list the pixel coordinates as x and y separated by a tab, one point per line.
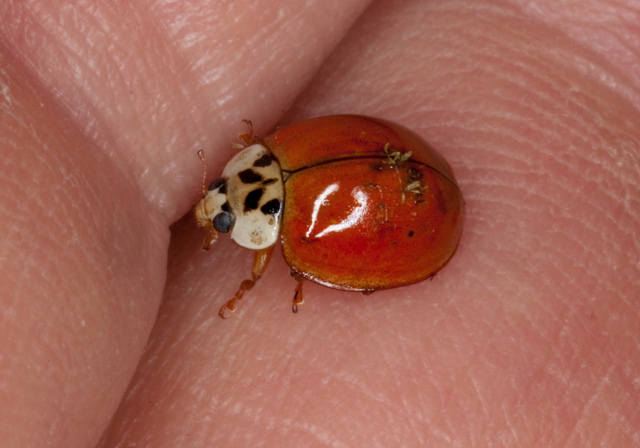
222	222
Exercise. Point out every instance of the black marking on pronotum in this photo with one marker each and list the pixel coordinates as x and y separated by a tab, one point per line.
252	199
249	176
218	183
271	208
226	207
269	181
263	161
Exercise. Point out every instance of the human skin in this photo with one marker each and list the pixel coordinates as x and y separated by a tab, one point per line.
528	337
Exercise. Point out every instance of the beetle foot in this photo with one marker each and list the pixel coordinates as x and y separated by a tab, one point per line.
298	298
230	305
245	286
248	138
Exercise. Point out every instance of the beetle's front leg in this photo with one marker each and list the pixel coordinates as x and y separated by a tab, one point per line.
260	261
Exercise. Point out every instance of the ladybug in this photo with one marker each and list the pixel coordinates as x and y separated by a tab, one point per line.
358	204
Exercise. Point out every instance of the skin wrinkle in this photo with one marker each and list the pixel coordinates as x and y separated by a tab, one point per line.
597	30
568	385
569	166
71	61
524	236
456	399
51	319
350	381
112	70
578	429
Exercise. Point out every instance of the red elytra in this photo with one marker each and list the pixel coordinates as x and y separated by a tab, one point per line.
368	205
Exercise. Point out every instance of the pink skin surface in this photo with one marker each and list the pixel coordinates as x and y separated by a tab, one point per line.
108	316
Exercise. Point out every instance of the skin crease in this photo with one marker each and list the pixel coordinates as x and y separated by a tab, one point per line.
527	338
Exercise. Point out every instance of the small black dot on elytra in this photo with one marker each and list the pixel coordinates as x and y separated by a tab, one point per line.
263	161
252	199
411	233
272	207
414	175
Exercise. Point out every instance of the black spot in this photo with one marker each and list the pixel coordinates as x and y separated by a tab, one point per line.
222	222
252	199
269	181
249	176
410	233
414	175
218	183
263	161
271	208
226	207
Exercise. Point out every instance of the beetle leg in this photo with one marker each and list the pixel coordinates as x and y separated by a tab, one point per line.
211	236
247	138
260	262
298	298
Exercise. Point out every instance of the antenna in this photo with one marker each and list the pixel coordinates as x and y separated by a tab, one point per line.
204	173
